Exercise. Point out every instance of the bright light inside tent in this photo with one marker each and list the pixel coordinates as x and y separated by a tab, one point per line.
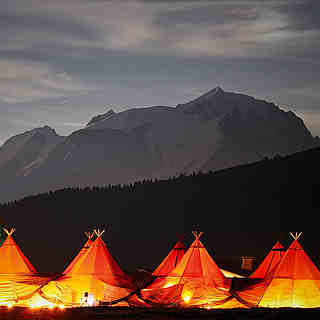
41	304
298	304
88	300
9	305
91	301
187	296
208	307
61	307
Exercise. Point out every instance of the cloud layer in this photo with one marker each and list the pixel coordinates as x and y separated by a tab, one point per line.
92	53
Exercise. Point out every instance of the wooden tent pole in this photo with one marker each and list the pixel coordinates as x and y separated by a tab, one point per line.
89	235
98	232
9	232
296	236
197	234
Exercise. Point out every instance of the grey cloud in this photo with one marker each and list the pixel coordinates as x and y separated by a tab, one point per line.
186	48
303	15
25	30
200	28
10	22
208	15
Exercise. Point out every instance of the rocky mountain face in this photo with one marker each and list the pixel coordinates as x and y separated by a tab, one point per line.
23	153
251	129
217	130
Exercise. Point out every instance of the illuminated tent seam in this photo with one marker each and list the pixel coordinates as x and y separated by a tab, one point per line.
167	265
270	262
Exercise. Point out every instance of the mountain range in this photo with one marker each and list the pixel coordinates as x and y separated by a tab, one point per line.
217	130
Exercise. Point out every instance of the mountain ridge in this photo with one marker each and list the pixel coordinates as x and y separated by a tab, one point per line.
217	130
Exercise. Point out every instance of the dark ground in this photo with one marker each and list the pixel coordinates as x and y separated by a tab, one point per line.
155	314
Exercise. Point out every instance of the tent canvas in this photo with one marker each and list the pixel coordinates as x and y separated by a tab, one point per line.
13	261
18	279
196	281
96	274
231	275
171	260
81	255
270	262
295	282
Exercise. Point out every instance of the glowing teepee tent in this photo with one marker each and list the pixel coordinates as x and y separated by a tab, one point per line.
18	279
295	282
196	281
95	278
270	262
171	260
83	252
13	261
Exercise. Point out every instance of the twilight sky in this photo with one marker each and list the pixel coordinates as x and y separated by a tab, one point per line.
64	61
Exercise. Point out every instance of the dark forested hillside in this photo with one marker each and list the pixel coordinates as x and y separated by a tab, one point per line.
242	211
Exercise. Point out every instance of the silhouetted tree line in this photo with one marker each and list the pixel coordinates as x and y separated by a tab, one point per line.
262	198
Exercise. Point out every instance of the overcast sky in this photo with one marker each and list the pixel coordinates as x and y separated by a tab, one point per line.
64	61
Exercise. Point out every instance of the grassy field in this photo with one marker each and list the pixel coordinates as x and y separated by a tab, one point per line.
154	314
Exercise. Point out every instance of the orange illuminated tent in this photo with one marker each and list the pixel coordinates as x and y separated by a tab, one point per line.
171	260
96	278
196	281
13	261
270	262
75	262
295	282
18	279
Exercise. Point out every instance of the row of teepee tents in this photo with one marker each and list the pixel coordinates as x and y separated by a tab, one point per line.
185	278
